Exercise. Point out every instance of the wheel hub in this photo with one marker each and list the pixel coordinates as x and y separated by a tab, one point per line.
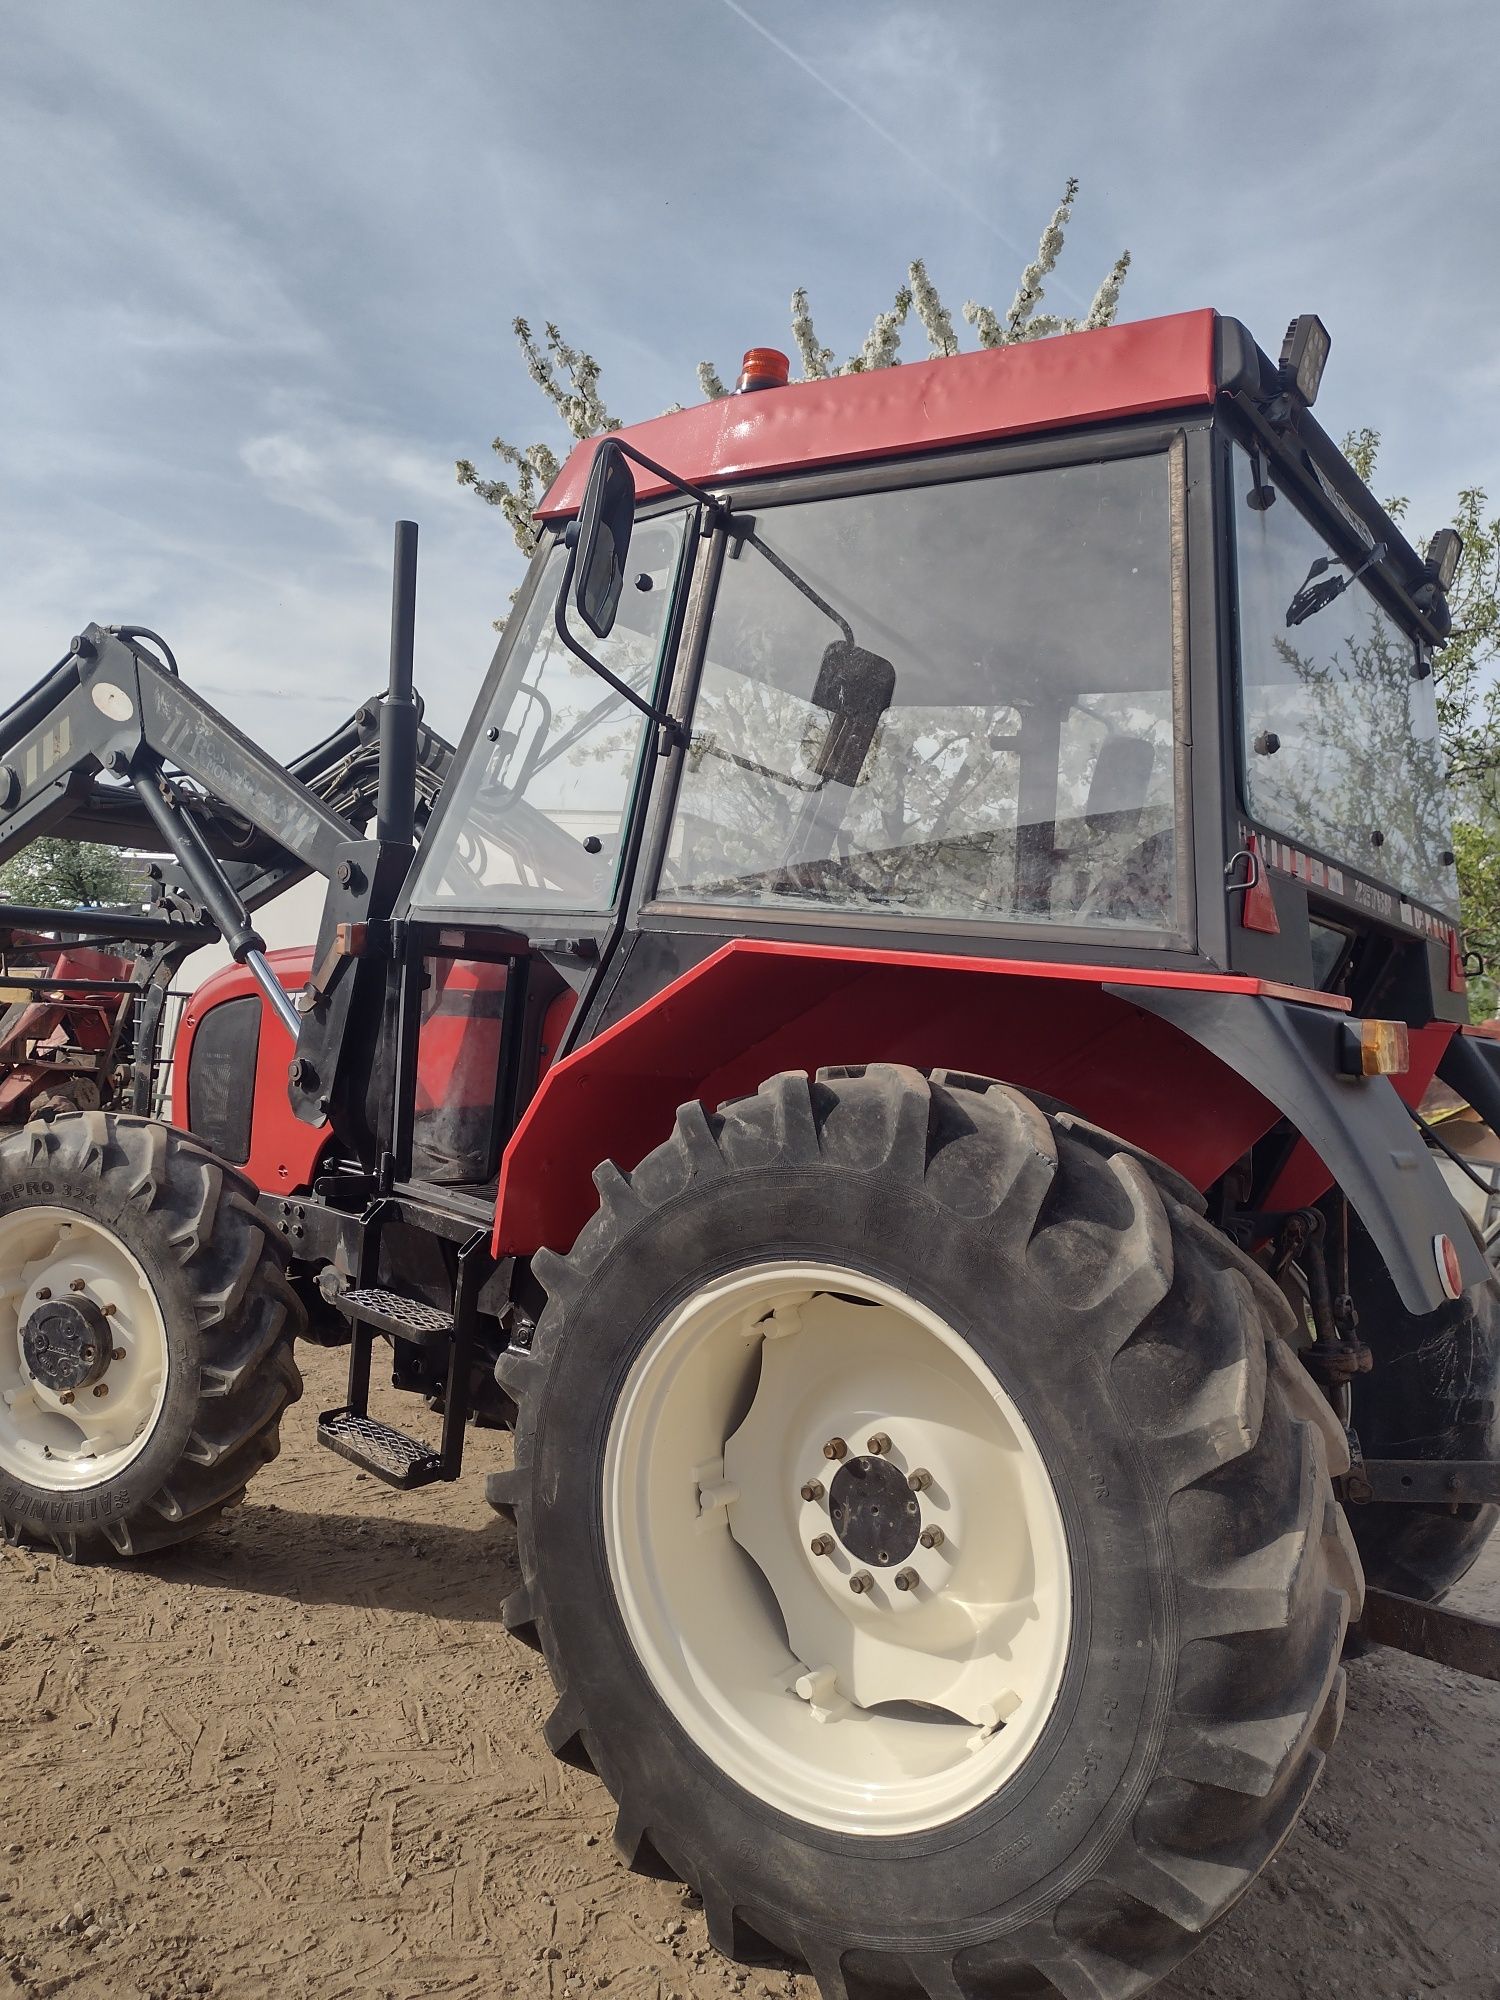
870	1639
66	1344
874	1512
83	1350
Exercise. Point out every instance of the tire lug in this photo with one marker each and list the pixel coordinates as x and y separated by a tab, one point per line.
906	1579
78	1284
932	1538
920	1480
835	1448
879	1445
66	1396
821	1545
101	1388
117	1354
44	1291
109	1310
861	1581
812	1489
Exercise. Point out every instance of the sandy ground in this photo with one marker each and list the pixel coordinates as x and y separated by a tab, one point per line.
302	1759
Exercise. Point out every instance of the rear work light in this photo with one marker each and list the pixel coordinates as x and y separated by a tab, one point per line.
1376	1048
763	368
1304	356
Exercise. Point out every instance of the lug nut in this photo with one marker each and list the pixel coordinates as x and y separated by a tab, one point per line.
117	1354
101	1388
920	1480
932	1538
66	1396
812	1489
879	1445
78	1284
44	1291
835	1448
821	1545
907	1579
109	1310
861	1581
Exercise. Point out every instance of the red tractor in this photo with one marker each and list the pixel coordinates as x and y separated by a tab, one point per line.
895	1066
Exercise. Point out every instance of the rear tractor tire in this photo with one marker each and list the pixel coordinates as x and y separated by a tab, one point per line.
146	1330
1434	1393
930	1534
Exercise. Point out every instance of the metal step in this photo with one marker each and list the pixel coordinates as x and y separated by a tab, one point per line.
390	1454
394	1313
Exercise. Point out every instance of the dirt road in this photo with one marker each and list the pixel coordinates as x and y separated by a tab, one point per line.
302	1759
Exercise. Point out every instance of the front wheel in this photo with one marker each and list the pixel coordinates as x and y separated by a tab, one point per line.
931	1538
146	1330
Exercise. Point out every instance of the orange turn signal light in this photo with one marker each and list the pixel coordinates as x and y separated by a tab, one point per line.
1376	1048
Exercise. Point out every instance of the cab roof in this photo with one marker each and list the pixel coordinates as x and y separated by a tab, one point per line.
1040	385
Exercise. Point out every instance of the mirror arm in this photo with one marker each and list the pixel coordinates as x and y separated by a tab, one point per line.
675	731
716	503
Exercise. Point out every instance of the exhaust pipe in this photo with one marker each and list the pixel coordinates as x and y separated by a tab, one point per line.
396	804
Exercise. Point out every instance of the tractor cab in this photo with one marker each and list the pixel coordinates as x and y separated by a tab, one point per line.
1093	651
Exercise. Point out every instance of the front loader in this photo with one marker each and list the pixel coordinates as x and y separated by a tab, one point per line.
895	1068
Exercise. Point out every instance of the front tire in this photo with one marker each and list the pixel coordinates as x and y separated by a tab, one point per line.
146	1330
1082	1758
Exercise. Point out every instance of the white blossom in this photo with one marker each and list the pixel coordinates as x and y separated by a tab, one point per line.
710	383
1030	291
815	359
1107	299
931	311
883	339
986	323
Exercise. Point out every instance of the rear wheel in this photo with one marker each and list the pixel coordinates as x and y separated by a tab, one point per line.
931	1539
146	1331
1434	1393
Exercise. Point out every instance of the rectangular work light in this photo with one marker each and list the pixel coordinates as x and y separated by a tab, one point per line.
1304	355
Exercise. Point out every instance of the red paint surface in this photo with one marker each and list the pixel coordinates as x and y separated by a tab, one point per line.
1041	385
70	1021
283	1151
1051	1027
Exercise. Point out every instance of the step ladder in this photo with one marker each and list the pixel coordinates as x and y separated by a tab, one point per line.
377	1313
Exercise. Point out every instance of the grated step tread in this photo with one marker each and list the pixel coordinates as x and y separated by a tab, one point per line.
390	1454
394	1312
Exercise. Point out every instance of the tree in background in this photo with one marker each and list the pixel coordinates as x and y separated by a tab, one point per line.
66	875
569	378
1467	678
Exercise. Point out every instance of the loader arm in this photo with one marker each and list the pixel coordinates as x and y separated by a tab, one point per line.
112	745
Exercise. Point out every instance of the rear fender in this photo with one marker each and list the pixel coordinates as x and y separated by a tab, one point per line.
1192	1067
1359	1127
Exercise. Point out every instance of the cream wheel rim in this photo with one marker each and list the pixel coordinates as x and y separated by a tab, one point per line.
83	1351
836	1548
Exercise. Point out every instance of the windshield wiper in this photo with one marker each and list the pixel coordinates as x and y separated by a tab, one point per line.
1312	597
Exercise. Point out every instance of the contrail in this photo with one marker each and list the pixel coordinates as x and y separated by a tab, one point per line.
891	139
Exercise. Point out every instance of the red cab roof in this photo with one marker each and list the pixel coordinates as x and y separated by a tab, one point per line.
1040	385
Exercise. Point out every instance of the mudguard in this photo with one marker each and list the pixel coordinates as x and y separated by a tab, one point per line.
1357	1125
1471	1066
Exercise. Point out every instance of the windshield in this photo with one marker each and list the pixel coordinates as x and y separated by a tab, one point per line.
1341	740
536	819
952	699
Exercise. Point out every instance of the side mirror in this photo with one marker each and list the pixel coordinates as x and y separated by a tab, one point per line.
604	524
856	688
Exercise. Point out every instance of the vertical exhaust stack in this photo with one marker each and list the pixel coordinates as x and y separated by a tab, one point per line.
395	812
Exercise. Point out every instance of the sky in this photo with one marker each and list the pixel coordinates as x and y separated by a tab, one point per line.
259	263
